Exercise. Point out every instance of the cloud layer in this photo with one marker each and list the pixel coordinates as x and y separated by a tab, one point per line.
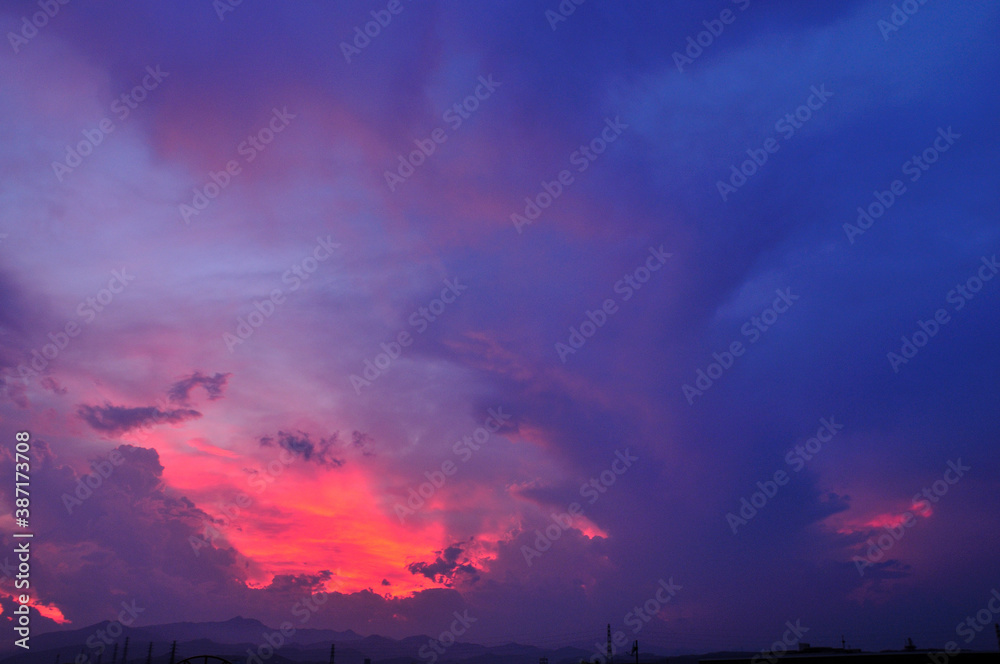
204	271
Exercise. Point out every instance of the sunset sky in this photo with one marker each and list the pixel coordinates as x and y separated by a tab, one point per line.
506	308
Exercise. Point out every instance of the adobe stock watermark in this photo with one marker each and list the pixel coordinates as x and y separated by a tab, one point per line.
91	482
637	618
592	490
381	18
101	638
878	546
562	12
796	459
753	329
420	320
626	287
446	639
304	609
970	628
249	149
792	636
88	310
294	276
122	107
223	7
696	44
914	167
7	569
464	449
454	117
30	27
957	297
581	158
899	16
786	126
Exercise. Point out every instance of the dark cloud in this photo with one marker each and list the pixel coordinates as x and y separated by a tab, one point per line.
214	386
300	583
446	567
120	419
363	442
300	444
878	571
53	385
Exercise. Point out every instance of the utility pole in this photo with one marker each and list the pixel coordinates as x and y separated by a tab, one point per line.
125	652
149	654
114	657
610	656
173	651
333	650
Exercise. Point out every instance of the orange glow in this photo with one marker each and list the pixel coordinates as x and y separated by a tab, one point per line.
290	516
299	518
887	520
50	611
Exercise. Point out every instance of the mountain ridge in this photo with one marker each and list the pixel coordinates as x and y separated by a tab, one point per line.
240	639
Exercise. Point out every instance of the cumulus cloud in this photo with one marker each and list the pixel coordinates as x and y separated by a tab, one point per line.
121	531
